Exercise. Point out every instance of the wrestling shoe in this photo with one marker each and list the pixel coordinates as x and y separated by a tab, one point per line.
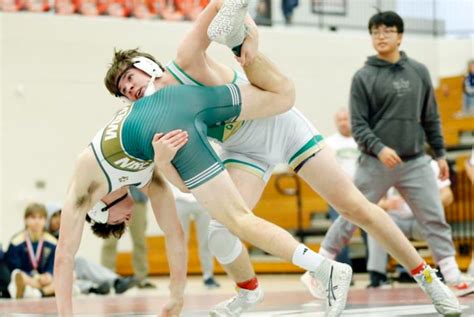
243	301
314	286
228	26
337	278
441	296
462	287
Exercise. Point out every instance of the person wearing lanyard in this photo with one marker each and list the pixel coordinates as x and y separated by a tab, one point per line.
30	256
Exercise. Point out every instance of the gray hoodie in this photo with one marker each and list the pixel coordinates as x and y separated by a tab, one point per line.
394	105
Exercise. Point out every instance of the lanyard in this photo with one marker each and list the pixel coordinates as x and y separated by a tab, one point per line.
34	258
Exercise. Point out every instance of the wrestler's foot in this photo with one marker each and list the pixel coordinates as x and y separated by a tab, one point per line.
463	286
314	286
243	301
228	26
337	278
442	297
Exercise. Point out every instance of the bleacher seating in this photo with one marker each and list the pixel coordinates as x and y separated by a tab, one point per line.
449	98
172	10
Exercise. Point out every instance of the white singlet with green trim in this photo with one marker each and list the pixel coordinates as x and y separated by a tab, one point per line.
258	145
120	168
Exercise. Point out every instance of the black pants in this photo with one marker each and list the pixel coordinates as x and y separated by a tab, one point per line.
4	280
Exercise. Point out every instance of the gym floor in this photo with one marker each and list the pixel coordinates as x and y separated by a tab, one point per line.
284	296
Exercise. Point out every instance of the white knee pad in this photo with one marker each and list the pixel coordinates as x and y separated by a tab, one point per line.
223	244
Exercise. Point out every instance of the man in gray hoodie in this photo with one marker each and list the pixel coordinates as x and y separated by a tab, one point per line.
393	112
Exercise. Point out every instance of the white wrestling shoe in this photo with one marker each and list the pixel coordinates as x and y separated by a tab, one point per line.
314	286
337	278
243	301
442	297
464	286
228	27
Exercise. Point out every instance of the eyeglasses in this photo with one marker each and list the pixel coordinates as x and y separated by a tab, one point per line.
384	32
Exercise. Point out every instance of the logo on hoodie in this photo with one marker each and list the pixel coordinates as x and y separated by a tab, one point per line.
402	87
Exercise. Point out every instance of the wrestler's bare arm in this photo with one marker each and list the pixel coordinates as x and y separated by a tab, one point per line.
195	43
171	174
165	147
164	209
87	186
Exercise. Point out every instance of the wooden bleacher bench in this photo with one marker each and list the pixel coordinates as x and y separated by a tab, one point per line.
449	96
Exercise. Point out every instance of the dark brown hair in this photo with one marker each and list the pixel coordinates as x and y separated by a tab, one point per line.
105	230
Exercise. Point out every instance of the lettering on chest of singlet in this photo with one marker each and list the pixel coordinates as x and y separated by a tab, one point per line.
112	147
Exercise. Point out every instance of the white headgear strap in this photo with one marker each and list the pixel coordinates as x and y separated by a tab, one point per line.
99	213
150	68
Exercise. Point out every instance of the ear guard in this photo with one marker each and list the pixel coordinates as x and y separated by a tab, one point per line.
150	68
99	213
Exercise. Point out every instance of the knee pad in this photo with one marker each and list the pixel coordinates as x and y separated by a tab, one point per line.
225	246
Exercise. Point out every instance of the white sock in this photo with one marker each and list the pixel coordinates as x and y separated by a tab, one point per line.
306	258
327	254
450	269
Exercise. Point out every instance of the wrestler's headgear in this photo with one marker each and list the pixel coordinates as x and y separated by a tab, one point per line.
150	68
100	212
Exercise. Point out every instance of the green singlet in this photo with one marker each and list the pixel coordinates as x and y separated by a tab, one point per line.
128	137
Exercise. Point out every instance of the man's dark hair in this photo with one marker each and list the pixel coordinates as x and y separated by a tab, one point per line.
105	230
387	18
